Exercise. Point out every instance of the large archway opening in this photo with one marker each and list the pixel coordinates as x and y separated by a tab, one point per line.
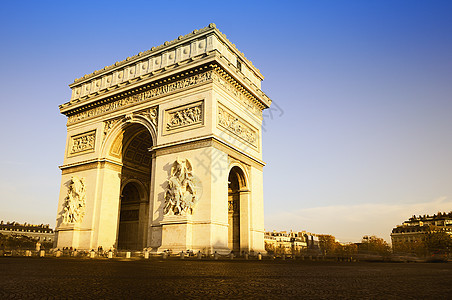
132	147
236	183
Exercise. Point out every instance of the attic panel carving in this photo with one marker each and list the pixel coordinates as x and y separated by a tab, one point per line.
184	117
237	126
82	143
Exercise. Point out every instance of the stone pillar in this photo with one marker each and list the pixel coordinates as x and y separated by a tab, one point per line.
245	221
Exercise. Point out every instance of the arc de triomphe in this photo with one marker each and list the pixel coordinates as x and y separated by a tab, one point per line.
164	151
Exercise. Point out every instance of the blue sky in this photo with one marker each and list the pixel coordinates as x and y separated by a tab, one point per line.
363	136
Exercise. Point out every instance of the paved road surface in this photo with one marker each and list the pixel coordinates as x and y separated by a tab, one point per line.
50	278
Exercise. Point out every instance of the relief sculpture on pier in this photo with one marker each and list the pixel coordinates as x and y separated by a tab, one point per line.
180	195
75	201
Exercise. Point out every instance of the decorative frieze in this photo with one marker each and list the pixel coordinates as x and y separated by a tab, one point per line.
185	116
139	97
82	143
75	202
237	126
249	103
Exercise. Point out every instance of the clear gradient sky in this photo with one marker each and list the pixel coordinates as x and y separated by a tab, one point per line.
362	138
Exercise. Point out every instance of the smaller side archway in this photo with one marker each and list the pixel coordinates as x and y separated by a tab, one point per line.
237	187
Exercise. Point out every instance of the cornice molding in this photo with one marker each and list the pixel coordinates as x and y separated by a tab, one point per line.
140	94
211	73
89	164
151	79
206	141
201	47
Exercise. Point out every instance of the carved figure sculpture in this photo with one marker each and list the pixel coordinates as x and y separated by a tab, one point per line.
74	207
153	115
180	195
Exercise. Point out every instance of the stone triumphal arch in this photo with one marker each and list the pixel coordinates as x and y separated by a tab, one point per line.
164	151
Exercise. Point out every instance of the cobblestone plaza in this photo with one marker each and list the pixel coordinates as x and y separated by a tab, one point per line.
64	278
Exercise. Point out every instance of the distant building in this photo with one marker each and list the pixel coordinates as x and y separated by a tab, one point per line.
40	232
290	242
416	228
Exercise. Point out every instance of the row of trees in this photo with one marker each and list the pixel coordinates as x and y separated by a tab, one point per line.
435	242
329	247
20	242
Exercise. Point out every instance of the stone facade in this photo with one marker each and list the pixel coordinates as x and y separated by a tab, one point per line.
291	242
164	151
415	229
